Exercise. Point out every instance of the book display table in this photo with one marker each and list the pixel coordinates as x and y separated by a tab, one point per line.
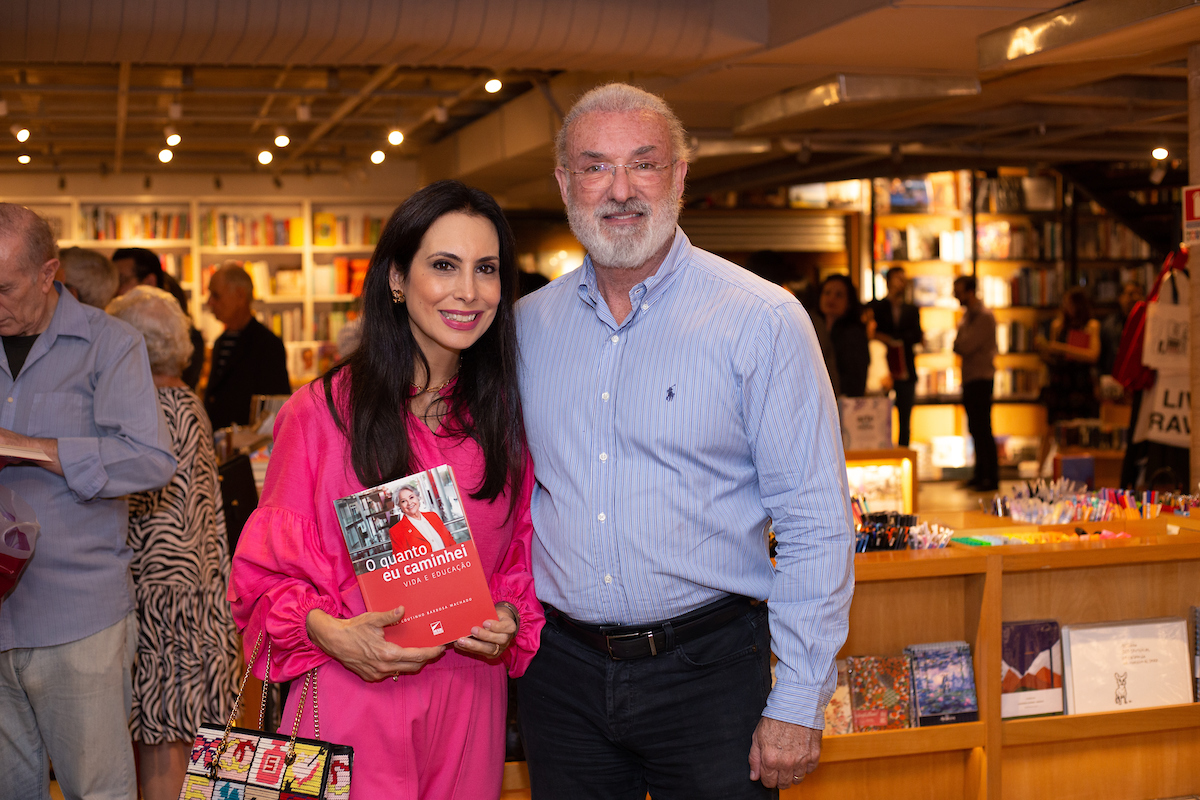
966	593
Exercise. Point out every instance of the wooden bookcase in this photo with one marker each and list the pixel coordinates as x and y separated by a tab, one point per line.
907	597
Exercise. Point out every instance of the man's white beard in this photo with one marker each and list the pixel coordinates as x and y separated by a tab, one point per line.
625	248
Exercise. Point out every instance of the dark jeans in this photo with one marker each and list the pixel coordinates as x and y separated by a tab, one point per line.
977	402
905	390
678	725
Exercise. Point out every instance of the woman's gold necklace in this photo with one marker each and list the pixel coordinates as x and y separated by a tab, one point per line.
436	389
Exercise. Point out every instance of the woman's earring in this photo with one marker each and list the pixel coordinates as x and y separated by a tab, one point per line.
397	296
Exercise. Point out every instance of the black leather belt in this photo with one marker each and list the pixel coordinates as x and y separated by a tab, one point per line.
624	642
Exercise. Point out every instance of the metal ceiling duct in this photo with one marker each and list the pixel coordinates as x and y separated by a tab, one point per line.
844	89
504	34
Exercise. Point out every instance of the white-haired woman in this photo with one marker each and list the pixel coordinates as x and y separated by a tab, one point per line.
187	660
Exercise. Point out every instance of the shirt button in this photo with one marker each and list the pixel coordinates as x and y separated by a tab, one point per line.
645	306
601	516
615	338
608	578
604	397
604	456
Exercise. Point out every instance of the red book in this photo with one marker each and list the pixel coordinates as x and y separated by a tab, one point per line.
411	546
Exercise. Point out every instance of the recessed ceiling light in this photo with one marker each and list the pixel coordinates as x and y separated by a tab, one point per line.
1160	153
23	159
21	132
281	137
173	137
377	157
493	86
265	157
395	137
165	155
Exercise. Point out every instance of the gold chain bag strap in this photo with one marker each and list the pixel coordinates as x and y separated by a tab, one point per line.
230	763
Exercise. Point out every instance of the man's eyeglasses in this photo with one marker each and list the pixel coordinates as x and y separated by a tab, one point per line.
639	173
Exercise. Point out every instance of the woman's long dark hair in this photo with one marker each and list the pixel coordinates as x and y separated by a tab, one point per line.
483	404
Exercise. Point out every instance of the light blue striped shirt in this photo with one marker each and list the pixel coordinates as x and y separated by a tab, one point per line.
86	383
662	445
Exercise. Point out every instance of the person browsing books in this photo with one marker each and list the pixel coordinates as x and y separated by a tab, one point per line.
433	382
416	527
675	403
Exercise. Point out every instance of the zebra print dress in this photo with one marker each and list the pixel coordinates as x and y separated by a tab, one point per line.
187	658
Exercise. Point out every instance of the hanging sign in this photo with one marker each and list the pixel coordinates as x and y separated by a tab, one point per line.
1191	215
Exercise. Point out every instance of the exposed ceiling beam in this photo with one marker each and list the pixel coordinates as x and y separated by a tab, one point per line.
380	76
122	110
199	91
266	106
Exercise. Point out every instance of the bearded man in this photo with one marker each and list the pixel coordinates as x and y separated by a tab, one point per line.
676	405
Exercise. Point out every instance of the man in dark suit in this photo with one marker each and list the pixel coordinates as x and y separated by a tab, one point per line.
898	325
247	359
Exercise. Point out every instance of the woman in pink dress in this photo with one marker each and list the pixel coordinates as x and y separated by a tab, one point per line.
432	382
417	527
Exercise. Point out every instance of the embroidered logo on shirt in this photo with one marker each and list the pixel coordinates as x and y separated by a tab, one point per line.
670	393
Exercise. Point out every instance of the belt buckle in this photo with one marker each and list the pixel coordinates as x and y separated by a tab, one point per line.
626	637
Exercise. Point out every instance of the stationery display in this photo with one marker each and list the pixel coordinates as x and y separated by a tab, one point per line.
887	530
943	683
1031	671
838	716
1064	501
1111	666
411	546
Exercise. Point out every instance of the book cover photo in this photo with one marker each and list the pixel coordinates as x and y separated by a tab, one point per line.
943	683
1031	681
1113	666
411	546
879	692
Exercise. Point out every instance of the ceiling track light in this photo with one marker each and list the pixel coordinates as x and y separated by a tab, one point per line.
3	108
20	132
23	158
281	137
172	136
492	86
395	137
377	157
265	157
303	112
165	155
175	111
1159	153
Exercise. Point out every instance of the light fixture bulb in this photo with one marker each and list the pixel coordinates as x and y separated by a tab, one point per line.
377	157
493	86
21	133
173	137
1160	153
265	157
281	137
165	155
23	159
395	137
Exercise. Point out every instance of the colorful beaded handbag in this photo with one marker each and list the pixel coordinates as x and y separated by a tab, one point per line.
242	764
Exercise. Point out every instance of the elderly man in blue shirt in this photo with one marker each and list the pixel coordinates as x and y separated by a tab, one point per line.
76	385
675	405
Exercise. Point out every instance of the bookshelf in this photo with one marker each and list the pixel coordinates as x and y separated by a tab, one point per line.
965	593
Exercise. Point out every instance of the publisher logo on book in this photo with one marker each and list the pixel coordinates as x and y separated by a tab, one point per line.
437	628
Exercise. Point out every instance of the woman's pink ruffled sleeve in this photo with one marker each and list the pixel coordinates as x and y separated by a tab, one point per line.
283	568
513	582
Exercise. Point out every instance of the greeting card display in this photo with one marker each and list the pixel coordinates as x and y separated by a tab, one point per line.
1030	669
879	692
411	546
943	683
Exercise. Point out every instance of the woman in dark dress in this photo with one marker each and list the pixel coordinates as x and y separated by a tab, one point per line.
842	311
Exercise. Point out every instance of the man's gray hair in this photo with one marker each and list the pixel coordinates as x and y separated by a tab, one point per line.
157	316
33	231
92	275
620	98
235	276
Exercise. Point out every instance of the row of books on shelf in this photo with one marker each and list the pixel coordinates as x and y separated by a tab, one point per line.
930	684
331	229
937	192
1002	240
1019	337
921	243
287	324
328	324
1105	238
1045	670
343	276
1011	194
1007	384
221	229
102	224
1029	286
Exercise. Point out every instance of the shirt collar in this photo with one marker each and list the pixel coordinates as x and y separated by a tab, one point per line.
69	318
646	292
